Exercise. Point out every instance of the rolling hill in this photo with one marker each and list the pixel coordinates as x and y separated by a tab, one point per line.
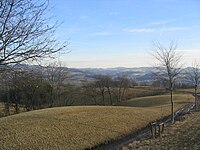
75	127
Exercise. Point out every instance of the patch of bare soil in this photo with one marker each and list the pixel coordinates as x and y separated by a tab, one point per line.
183	134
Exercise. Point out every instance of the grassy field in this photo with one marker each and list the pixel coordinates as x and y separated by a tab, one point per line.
186	90
151	101
74	127
142	91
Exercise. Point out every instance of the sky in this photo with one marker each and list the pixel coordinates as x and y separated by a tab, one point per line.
120	33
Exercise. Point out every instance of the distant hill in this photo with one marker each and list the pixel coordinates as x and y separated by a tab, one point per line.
79	76
142	74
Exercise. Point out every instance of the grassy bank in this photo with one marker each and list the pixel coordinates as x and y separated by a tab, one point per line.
74	127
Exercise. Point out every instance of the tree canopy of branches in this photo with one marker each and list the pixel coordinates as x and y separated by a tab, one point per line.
168	67
25	33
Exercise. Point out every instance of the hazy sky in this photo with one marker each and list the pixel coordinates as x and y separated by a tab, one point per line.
113	33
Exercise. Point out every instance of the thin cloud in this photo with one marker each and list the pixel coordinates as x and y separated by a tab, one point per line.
176	29
146	30
159	22
103	33
152	30
83	17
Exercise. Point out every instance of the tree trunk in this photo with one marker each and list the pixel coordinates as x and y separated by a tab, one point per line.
119	94
52	98
109	92
8	103
16	108
33	103
123	93
103	98
195	97
172	105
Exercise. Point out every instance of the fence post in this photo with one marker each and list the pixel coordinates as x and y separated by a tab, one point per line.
163	125
152	133
159	130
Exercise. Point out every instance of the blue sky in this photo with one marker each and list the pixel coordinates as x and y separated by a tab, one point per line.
114	33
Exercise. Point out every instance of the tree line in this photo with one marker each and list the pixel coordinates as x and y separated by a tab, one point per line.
44	87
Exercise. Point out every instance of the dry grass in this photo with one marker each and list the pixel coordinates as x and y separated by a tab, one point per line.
191	90
152	101
74	127
141	91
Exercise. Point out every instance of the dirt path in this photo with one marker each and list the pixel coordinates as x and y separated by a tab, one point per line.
184	134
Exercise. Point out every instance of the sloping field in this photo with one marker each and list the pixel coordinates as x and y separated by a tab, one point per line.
74	127
152	101
146	91
191	90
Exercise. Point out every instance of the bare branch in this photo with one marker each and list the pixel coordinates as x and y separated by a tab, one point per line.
25	33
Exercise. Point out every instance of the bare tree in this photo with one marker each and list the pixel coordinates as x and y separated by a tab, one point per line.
55	75
104	84
5	87
90	90
25	33
31	83
101	88
123	83
168	67
108	83
193	75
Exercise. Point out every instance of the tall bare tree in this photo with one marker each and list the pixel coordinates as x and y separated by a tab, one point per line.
90	90
25	32
55	75
100	85
123	84
168	67
193	75
108	83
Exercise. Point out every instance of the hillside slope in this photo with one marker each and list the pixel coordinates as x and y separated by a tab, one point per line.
74	127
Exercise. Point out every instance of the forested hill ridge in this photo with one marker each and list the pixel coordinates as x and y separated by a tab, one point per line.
141	74
79	76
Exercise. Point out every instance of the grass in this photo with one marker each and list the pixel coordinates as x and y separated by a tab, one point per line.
190	90
74	127
152	101
141	91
